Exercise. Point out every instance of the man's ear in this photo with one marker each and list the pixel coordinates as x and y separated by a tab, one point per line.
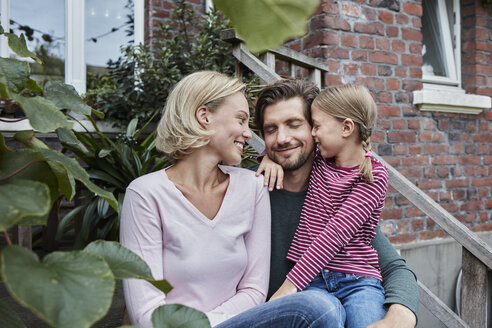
202	116
348	127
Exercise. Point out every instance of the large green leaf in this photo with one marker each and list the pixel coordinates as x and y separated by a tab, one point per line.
74	168
3	147
35	168
18	45
14	74
267	24
28	138
33	86
21	199
69	138
65	96
124	263
177	315
43	115
10	319
66	289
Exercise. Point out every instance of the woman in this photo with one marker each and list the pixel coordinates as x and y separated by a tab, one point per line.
202	226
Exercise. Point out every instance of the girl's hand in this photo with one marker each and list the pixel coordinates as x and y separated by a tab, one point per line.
272	173
287	288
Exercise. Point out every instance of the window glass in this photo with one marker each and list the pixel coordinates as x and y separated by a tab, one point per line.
43	24
108	26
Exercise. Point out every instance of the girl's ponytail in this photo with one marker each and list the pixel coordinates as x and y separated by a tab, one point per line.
365	168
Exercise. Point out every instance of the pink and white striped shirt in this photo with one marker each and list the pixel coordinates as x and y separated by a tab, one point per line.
338	222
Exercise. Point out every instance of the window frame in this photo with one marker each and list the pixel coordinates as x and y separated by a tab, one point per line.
75	65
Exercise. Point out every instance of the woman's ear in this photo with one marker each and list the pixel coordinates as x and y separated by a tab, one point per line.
348	127
202	116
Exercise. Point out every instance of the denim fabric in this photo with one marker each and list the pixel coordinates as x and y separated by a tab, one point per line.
307	309
361	297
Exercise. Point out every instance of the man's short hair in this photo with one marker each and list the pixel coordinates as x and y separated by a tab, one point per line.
285	90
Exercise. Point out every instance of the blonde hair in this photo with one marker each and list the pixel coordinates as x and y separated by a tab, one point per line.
355	102
178	131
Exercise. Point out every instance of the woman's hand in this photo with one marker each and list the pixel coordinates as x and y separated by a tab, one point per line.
272	173
398	316
287	288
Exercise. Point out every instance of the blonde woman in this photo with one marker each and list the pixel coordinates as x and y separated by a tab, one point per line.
203	226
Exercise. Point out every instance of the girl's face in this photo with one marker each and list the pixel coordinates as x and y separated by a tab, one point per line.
327	132
230	123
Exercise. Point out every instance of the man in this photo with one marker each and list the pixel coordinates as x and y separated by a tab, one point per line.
283	117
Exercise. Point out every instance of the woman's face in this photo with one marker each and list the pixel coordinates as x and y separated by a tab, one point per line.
230	123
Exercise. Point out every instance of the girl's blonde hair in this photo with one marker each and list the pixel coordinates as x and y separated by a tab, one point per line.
355	102
178	131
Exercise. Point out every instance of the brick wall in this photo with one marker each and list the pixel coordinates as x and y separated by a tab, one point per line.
378	43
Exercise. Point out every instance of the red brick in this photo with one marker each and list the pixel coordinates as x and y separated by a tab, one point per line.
328	7
402	19
369	28
398	46
430	148
331	80
350	68
382	44
389	111
443	172
444	160
369	14
445	195
359	55
393	84
426	235
384	98
384	124
429	172
471	206
418	160
383	57
387	228
412	9
391	214
386	17
482	137
400	72
466	160
483	227
366	42
350	10
415	48
429	184
416	72
457	183
412	35
417	22
482	182
417	225
336	22
414	124
488	204
335	52
431	136
414	173
412	85
368	69
415	149
403	238
349	41
410	60
392	31
402	226
450	207
371	82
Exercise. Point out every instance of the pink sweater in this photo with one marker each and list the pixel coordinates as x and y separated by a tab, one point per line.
338	222
218	266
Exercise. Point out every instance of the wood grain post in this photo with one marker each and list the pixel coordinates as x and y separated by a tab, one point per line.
22	236
474	293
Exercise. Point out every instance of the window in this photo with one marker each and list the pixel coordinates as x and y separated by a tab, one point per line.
73	37
441	69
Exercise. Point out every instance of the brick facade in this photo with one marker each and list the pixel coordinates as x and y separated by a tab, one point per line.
378	43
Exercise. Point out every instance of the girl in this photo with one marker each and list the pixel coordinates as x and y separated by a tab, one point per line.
332	245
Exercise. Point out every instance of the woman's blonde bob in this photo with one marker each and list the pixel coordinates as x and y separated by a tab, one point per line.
179	132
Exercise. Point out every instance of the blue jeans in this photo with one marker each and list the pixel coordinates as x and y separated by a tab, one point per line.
331	300
359	299
307	309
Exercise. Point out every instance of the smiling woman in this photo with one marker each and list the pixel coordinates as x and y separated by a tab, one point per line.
203	226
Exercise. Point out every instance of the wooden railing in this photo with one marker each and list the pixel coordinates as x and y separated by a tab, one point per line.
476	256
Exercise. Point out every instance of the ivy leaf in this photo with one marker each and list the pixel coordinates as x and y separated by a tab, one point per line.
124	263
21	199
65	96
18	45
14	74
177	315
265	24
43	115
58	287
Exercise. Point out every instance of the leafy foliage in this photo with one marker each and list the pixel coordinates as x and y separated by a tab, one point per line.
139	82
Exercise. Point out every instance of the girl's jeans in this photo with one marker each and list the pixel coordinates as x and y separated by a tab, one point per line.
358	299
331	300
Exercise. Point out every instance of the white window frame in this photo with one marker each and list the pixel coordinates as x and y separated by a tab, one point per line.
75	66
445	94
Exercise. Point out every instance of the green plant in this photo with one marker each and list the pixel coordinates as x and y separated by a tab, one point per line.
112	165
138	83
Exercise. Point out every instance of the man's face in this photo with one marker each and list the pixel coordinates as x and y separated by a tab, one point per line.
287	132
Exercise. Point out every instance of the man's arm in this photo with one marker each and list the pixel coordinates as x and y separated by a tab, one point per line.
400	285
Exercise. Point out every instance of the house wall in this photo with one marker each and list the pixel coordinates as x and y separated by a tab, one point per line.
378	43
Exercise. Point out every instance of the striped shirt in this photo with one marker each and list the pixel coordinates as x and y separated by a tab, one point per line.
338	222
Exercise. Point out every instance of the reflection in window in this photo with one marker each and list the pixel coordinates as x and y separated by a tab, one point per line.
43	24
438	23
109	25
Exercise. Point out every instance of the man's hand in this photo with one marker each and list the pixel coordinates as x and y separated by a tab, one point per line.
398	316
287	288
273	172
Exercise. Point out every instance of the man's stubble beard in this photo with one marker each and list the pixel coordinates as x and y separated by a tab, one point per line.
292	166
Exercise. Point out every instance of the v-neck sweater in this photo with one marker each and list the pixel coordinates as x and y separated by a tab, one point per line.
218	266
